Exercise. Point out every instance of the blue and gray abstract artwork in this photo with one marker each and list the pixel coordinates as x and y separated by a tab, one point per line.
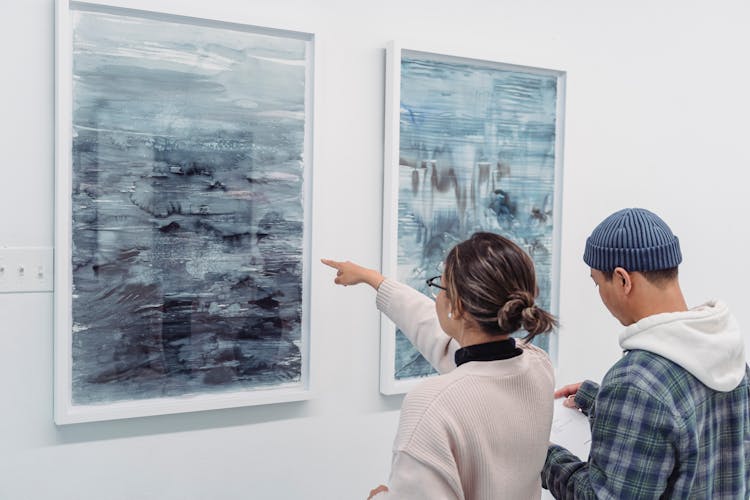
188	209
477	153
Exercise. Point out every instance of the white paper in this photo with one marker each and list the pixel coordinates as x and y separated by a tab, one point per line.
570	429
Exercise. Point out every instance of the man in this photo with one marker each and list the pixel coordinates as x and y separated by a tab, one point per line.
671	418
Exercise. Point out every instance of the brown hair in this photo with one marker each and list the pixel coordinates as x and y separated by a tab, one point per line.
493	280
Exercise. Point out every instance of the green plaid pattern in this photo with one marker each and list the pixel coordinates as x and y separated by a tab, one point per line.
657	432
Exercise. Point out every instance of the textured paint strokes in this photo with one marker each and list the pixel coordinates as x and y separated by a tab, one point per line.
477	153
187	208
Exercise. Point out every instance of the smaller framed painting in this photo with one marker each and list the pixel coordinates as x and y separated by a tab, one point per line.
470	145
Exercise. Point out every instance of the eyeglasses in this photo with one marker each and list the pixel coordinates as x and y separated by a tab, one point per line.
434	283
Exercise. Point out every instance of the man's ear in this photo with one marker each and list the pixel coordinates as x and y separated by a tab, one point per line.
624	280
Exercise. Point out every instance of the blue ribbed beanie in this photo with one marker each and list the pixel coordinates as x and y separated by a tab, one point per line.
634	239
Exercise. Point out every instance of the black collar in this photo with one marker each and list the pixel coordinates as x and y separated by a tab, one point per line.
490	351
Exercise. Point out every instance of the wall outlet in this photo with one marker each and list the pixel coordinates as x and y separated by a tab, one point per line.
26	269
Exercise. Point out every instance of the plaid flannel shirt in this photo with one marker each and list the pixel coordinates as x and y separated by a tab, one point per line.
657	432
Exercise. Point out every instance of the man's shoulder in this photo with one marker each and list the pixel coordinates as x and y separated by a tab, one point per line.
651	374
639	362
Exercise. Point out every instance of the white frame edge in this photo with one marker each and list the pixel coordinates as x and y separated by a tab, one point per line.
388	384
64	411
387	342
390	191
310	153
63	229
554	338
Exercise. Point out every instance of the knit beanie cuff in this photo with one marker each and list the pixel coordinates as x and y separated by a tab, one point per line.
655	258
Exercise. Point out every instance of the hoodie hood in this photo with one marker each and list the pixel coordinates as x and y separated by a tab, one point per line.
706	341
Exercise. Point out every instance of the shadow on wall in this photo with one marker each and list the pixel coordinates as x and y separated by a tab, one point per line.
181	422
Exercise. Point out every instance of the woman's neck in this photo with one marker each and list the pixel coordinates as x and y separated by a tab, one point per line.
473	336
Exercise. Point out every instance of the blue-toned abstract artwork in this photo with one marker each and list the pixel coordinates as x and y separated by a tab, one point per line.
477	152
188	213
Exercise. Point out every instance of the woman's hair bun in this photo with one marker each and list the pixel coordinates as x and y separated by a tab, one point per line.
509	317
520	311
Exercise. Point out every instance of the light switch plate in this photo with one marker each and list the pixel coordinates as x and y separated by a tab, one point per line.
26	269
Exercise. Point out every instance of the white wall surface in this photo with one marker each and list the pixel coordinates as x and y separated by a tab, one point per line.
657	116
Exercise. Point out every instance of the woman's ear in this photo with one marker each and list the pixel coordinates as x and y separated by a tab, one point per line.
457	309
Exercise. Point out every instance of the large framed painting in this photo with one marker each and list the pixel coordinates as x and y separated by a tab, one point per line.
470	145
182	227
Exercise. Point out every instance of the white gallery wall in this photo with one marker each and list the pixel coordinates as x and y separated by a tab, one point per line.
657	117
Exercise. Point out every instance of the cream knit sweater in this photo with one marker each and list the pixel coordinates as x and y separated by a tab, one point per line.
478	431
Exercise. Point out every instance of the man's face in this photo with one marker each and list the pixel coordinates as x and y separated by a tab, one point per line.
612	294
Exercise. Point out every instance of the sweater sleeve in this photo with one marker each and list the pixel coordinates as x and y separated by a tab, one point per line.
414	314
412	479
424	465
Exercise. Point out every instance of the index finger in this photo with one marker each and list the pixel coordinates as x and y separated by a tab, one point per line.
331	263
567	390
563	392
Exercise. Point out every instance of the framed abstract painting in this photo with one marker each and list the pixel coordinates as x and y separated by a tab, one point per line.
470	145
182	225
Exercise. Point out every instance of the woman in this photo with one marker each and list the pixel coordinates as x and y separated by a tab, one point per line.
479	430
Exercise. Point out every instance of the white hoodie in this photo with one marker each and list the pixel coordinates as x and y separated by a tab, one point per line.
706	341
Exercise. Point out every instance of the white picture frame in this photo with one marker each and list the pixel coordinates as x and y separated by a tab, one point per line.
393	183
68	410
